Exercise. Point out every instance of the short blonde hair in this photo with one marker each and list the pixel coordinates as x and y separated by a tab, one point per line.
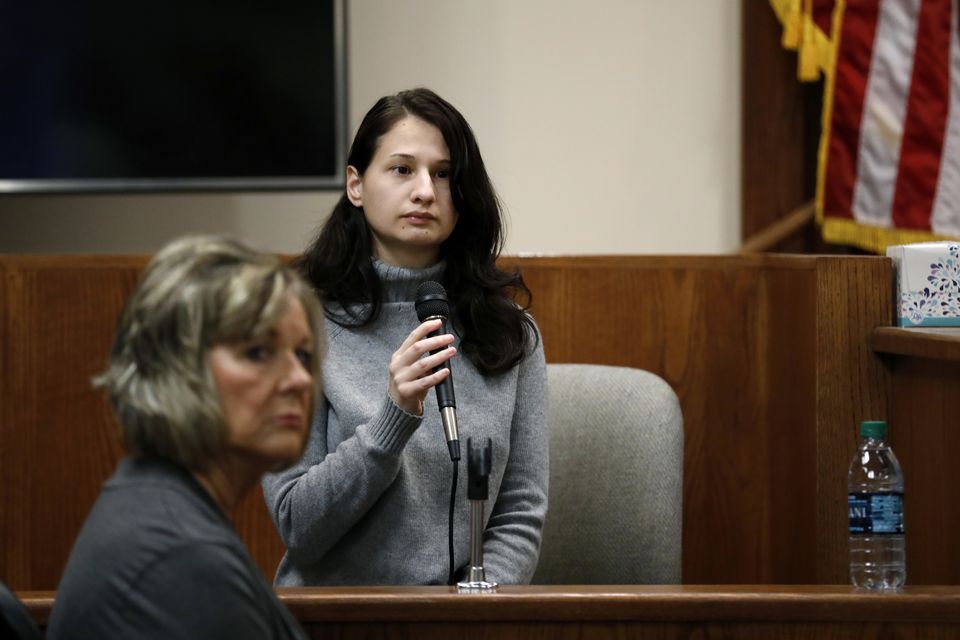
197	292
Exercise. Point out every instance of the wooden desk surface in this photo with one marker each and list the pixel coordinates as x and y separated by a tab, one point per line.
682	611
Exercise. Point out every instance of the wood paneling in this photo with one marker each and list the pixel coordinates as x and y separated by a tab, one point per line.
58	441
780	129
924	365
769	356
852	386
925	436
751	612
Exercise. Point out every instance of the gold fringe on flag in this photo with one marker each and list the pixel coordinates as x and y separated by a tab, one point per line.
815	49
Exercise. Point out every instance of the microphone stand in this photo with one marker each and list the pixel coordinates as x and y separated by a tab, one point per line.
478	471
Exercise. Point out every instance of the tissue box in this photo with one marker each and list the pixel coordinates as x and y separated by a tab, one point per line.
928	284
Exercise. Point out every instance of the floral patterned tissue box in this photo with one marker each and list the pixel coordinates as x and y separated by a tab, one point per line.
928	283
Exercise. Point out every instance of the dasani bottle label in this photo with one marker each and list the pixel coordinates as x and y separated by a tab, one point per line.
876	513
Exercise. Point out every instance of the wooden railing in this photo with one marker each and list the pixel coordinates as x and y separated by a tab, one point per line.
601	612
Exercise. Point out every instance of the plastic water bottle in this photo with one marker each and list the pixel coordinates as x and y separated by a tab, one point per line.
875	501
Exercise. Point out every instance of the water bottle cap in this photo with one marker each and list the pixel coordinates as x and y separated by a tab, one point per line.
873	429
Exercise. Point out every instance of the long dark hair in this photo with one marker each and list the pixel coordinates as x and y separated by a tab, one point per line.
490	304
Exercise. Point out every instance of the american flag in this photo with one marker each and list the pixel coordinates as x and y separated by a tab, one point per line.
889	165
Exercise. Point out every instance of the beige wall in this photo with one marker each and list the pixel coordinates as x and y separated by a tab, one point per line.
608	126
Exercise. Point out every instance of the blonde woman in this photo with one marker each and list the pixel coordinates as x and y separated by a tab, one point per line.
213	377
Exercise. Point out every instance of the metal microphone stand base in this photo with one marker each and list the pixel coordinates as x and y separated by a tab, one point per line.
477	583
477	587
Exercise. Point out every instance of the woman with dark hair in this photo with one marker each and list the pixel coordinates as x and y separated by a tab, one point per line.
368	502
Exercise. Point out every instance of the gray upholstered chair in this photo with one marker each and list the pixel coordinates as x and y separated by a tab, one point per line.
616	478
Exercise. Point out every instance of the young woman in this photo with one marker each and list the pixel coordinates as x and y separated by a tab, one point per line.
369	501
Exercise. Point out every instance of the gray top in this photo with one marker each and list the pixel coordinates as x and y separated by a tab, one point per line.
369	501
157	558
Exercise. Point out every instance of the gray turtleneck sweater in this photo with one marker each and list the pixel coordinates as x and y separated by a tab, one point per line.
368	503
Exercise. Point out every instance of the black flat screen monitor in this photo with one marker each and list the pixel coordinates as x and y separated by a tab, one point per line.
176	95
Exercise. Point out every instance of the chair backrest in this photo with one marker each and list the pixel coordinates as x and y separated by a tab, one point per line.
616	478
15	619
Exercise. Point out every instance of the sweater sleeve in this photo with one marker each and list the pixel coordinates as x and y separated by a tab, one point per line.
317	501
512	538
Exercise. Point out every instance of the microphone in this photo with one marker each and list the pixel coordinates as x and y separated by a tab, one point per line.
432	304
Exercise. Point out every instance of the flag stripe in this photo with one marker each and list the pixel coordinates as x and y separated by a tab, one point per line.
889	158
822	13
945	217
884	111
857	32
926	119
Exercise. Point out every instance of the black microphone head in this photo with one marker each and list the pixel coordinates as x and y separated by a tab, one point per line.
431	301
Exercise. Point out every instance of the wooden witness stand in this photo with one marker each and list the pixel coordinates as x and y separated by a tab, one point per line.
615	613
775	360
